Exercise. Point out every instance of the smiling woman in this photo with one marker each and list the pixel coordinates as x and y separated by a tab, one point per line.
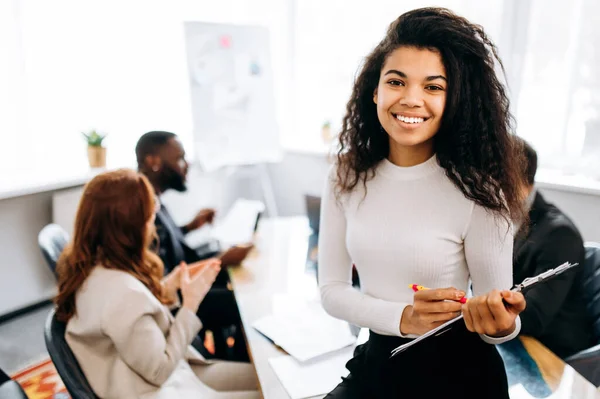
423	192
417	73
410	99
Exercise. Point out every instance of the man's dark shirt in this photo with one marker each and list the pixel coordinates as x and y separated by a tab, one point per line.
556	310
218	310
172	247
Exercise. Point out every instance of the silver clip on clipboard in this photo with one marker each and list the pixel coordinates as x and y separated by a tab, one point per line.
528	282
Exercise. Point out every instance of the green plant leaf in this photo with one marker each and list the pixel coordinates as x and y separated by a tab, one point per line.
93	138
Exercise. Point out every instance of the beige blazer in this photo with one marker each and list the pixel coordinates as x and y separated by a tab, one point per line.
129	345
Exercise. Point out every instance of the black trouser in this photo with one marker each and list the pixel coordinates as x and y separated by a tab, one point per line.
222	279
456	364
219	313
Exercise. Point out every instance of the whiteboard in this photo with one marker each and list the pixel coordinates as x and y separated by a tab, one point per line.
232	95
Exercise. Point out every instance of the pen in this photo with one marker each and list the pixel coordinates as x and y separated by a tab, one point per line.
416	288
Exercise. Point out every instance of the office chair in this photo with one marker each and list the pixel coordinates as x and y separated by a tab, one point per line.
64	360
10	389
52	240
587	362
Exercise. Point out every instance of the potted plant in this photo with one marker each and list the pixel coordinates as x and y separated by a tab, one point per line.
96	152
326	132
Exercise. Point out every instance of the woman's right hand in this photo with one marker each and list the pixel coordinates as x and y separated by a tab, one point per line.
430	309
195	287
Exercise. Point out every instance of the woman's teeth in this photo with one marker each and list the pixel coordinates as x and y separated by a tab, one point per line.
409	120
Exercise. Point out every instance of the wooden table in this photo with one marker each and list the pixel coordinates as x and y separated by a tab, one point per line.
542	374
278	265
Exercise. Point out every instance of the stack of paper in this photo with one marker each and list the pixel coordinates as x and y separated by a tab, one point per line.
306	332
305	380
236	228
315	377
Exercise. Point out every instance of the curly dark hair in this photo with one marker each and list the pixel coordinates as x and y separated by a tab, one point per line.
474	142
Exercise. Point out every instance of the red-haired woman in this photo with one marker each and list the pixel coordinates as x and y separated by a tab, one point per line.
113	297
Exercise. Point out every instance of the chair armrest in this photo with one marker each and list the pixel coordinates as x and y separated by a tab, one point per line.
587	363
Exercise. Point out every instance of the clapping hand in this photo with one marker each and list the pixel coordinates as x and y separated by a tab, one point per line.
172	281
196	280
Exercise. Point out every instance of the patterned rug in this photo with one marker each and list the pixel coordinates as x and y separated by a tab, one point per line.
41	381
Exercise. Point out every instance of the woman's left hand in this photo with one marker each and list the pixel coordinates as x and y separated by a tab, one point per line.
171	282
488	314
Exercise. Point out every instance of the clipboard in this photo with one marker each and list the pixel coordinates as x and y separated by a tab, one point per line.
527	283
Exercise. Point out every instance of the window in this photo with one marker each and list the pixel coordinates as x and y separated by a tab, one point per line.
115	66
558	101
330	40
550	49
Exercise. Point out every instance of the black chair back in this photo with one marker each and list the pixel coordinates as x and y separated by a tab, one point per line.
52	240
64	360
591	284
10	389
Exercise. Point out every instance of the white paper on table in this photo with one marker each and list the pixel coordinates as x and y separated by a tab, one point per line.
198	237
308	379
236	228
518	391
291	303
306	332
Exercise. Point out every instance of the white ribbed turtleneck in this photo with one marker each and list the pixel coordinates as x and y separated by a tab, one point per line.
414	226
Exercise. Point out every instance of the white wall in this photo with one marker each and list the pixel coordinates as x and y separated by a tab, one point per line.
25	277
583	209
295	176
